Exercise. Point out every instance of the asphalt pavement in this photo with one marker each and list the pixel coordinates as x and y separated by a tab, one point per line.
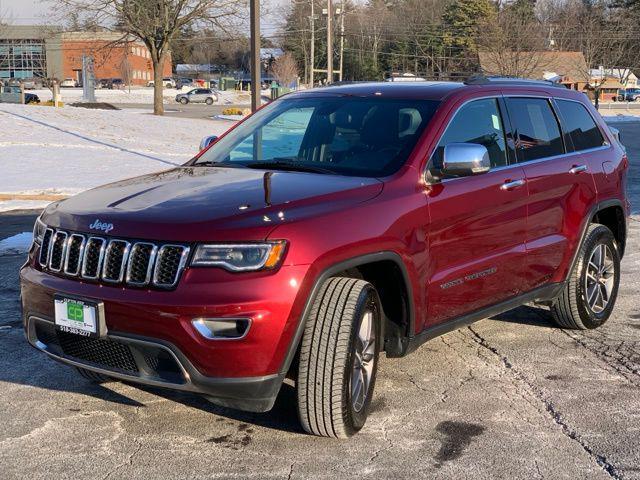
509	397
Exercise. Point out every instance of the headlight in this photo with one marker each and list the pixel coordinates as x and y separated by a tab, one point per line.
245	257
38	231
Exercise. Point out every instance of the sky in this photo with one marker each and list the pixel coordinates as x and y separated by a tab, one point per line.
29	12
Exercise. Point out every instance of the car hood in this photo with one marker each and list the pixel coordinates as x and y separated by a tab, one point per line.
207	203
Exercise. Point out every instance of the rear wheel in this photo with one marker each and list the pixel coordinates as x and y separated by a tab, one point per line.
93	376
339	358
592	288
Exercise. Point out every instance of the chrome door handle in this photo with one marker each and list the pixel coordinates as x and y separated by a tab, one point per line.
578	169
512	185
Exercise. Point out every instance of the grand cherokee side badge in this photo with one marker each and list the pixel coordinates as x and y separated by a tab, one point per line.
98	225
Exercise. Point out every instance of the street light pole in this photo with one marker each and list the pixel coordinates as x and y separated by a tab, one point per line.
254	12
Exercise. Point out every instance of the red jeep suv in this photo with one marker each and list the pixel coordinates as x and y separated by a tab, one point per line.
330	226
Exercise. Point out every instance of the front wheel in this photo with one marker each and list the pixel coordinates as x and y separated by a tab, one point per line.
184	101
339	358
209	101
592	287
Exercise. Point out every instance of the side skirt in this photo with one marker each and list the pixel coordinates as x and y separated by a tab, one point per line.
545	293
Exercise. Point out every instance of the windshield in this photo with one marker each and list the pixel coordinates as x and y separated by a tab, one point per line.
368	137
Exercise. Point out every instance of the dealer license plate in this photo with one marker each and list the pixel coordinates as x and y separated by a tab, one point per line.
77	316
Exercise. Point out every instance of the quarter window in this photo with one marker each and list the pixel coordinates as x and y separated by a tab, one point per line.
537	131
583	130
476	122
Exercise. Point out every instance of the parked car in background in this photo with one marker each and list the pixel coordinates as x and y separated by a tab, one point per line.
31	83
167	82
183	82
68	83
332	226
28	97
629	95
198	95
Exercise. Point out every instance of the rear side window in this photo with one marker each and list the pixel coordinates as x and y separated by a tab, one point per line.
477	122
583	130
537	131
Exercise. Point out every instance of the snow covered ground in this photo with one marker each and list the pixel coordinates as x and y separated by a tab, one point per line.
44	150
142	95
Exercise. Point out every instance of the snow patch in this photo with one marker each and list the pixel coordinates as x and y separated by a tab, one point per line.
620	118
17	244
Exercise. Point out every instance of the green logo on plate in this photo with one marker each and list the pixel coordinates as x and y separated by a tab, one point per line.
75	312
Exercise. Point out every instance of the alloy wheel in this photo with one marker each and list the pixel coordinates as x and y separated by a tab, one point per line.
363	361
599	278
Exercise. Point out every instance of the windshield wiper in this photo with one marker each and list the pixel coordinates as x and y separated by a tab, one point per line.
294	167
209	163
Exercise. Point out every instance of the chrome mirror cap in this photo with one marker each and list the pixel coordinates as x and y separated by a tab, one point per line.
463	159
206	141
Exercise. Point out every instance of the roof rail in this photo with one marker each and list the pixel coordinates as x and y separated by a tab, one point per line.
506	80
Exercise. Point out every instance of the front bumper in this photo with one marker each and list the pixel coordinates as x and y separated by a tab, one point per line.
156	326
151	362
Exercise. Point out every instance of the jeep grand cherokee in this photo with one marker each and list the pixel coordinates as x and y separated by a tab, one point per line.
330	226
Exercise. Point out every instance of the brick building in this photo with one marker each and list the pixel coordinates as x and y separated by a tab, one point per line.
41	52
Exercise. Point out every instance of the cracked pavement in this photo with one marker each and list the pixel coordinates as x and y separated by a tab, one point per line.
511	396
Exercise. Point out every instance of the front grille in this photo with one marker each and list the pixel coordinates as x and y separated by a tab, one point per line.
105	353
113	261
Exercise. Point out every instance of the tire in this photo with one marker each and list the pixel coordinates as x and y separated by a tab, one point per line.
209	101
328	365
93	376
184	101
577	307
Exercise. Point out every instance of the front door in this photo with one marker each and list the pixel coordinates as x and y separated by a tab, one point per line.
478	223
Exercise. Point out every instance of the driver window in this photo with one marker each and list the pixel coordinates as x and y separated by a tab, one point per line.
477	122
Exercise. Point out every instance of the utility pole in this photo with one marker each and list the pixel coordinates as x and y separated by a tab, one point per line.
313	43
254	12
341	39
329	41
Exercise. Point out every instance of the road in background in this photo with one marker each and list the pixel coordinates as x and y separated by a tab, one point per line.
190	110
509	397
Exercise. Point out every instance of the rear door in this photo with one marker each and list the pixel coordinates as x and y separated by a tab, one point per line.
477	223
559	182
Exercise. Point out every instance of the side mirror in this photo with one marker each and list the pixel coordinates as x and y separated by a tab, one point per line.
206	141
464	159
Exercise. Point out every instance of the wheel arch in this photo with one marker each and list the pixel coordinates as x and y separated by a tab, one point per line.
367	267
604	209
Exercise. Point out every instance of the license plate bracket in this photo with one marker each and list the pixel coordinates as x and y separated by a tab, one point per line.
79	316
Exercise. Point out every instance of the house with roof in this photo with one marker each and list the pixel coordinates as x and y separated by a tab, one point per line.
568	68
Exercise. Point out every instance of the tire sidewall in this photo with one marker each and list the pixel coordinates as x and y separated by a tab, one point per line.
589	318
353	420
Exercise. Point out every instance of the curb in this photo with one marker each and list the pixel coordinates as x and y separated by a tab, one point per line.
45	197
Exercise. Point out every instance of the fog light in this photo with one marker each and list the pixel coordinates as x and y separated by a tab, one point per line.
222	328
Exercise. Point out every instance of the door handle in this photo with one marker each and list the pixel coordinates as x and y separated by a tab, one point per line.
578	169
512	185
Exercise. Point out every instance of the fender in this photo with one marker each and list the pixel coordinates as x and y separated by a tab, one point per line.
614	202
339	267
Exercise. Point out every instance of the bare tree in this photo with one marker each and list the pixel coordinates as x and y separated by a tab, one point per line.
285	69
156	23
126	70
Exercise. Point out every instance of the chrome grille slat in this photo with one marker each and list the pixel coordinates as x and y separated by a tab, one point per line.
57	250
141	260
170	262
73	258
92	258
113	260
45	248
